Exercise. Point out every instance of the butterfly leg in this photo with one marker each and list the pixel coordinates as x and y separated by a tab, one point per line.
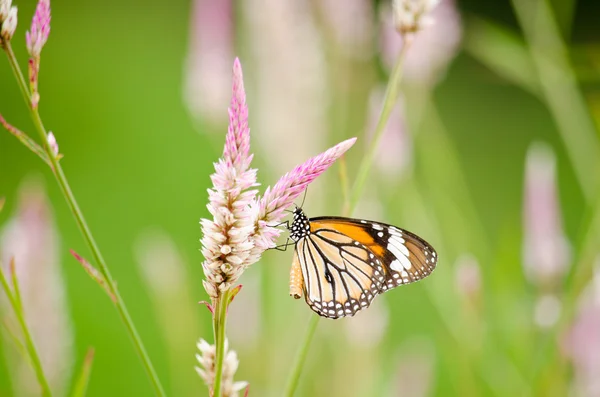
283	247
286	223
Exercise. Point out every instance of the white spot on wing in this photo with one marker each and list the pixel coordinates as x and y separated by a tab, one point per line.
396	266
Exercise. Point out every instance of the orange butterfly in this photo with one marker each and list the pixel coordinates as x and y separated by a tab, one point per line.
342	264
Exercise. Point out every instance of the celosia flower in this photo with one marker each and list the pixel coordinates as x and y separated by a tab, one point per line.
242	226
546	251
30	237
8	21
210	52
432	48
5	6
37	36
410	16
271	207
206	370
226	242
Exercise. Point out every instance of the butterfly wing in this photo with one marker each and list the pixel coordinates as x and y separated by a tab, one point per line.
346	262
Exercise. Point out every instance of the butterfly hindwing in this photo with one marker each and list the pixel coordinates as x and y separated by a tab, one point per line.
340	275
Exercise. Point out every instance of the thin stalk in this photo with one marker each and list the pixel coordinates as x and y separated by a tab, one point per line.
391	95
83	379
15	302
83	227
219	323
26	140
301	357
560	91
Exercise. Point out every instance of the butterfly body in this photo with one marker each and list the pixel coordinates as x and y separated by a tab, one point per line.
342	264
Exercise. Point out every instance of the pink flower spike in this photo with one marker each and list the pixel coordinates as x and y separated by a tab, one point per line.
270	208
40	29
292	184
237	143
226	243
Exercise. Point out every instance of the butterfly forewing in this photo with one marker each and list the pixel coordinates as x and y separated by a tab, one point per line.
346	262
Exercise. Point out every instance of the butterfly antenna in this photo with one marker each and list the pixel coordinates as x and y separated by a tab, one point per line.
304	198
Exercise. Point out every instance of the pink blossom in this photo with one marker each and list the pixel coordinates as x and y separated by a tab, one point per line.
226	242
40	29
30	237
243	226
546	251
210	52
432	48
8	21
411	16
206	369
275	200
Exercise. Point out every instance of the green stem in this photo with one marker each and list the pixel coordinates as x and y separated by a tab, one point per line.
389	101
301	357
15	302
391	95
219	323
83	227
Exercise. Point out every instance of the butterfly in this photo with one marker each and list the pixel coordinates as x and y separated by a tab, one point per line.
341	264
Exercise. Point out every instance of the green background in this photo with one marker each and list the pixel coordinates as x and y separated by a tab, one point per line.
111	84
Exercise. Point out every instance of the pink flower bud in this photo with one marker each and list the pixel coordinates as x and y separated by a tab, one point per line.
52	142
37	36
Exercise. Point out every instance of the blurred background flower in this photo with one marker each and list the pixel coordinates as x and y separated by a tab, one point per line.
546	251
165	272
207	85
433	47
31	239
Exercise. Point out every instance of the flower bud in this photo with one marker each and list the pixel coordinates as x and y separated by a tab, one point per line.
52	142
9	24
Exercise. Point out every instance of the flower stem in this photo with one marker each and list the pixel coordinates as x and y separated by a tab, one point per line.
219	323
301	357
83	227
15	302
391	95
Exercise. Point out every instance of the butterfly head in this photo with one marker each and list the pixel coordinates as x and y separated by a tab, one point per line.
300	225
